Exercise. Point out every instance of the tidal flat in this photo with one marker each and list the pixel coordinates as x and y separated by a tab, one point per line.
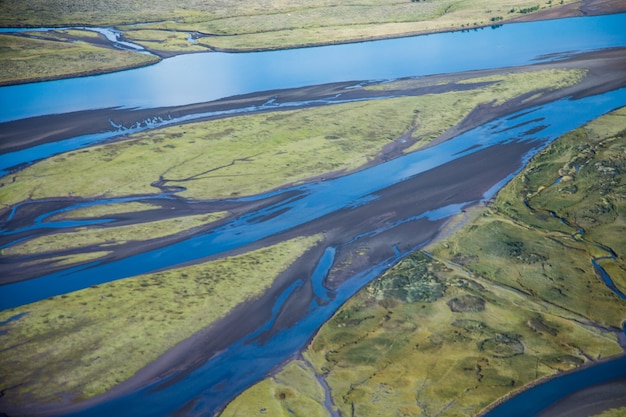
510	297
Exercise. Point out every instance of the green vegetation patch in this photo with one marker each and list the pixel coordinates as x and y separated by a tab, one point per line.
251	16
240	25
522	241
163	40
466	303
24	59
520	301
207	158
71	345
613	412
102	210
410	282
294	391
387	357
69	259
110	236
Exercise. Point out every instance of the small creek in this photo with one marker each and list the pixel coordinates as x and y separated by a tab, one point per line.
578	235
113	35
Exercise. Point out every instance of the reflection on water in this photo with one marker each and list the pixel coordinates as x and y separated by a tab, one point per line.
195	78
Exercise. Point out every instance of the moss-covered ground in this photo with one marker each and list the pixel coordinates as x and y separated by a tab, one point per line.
83	343
208	158
613	412
507	299
60	54
277	397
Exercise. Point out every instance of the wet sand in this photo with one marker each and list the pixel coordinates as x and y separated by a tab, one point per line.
455	182
591	401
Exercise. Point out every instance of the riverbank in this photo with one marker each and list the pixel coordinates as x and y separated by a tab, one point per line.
238	31
603	72
378	238
431	190
453	314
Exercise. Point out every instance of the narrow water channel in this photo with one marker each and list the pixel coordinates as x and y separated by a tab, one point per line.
248	360
196	78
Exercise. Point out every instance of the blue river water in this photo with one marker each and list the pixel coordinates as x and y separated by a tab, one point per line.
201	77
534	400
195	78
315	200
248	360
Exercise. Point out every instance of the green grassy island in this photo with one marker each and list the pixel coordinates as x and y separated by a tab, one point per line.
507	294
509	298
197	26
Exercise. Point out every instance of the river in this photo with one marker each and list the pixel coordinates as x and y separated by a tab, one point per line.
203	77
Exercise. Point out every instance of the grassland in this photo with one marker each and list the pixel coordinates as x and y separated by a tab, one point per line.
71	346
163	40
110	236
101	210
613	412
241	25
280	147
60	54
509	298
276	396
249	16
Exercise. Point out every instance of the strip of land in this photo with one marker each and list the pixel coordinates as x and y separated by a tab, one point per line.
509	298
432	189
190	26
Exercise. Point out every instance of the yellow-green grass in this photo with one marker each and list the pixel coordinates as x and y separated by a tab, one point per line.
280	147
543	264
241	25
591	193
83	343
294	391
398	348
163	40
280	23
111	236
79	33
101	210
25	59
613	412
70	259
351	22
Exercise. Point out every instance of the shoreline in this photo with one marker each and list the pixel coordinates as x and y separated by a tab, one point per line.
546	412
424	190
190	347
603	76
577	9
